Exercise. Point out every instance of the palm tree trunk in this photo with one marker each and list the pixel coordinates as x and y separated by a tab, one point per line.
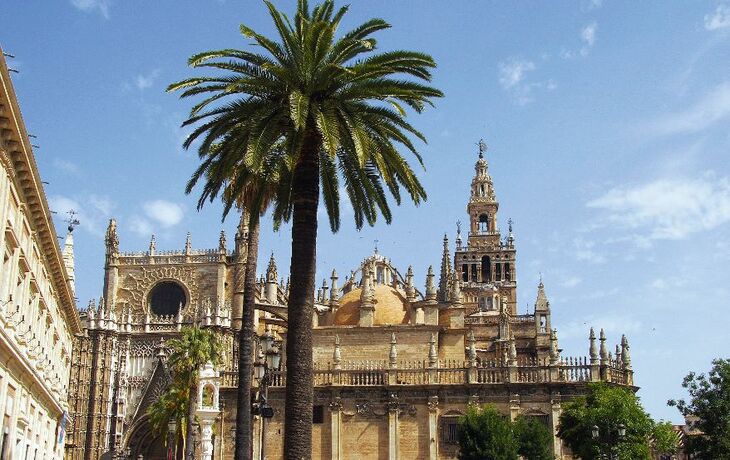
192	404
244	425
299	392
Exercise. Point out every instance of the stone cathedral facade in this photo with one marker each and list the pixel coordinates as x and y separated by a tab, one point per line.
396	363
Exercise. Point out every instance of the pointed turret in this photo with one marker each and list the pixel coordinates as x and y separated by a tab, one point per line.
410	288
270	290
68	259
603	350
430	285
625	354
542	311
446	272
111	239
188	244
367	297
241	237
222	242
335	291
593	351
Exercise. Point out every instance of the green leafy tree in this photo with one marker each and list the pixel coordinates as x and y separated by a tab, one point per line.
485	434
709	405
188	353
665	441
606	407
326	110
534	438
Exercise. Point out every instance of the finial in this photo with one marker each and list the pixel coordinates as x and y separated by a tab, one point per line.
625	354
188	244
393	356
153	245
376	241
603	351
430	285
472	350
222	242
336	354
111	239
432	351
482	147
592	349
71	220
509	223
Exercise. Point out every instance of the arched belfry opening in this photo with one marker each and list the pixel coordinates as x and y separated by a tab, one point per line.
483	226
486	269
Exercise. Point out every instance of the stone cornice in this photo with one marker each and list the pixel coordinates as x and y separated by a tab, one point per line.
24	171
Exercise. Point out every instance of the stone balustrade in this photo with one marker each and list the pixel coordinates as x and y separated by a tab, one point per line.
452	372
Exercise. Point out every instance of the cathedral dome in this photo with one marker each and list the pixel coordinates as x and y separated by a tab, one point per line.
391	307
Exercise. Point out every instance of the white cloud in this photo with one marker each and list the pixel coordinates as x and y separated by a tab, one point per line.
166	213
92	211
140	226
720	19
513	79
573	281
513	71
671	208
584	252
588	5
713	107
66	166
90	5
588	36
145	81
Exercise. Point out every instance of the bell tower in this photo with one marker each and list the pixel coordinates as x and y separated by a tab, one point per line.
486	264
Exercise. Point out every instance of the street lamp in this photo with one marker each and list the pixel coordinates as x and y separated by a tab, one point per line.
172	445
268	360
612	438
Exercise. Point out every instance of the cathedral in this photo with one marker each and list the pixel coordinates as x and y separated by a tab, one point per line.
396	361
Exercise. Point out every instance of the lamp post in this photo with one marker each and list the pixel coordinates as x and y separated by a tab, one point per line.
612	438
268	360
172	444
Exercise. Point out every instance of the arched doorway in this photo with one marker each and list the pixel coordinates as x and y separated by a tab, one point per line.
145	444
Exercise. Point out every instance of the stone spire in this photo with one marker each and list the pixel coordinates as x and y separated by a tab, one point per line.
430	285
542	304
222	242
603	351
270	288
445	278
241	238
593	351
188	244
335	291
68	259
111	238
625	354
410	288
271	271
393	355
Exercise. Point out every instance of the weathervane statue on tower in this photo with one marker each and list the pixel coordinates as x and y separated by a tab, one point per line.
482	147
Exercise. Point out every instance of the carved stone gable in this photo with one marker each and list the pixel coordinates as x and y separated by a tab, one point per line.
156	386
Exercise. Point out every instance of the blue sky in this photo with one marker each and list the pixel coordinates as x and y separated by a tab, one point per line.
607	124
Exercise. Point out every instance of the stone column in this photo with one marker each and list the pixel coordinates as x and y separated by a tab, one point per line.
206	438
555	412
336	428
393	438
514	406
433	406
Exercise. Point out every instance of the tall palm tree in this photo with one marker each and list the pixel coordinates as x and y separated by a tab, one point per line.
188	353
171	406
336	110
259	187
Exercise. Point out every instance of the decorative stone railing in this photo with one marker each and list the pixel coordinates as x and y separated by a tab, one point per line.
380	373
171	257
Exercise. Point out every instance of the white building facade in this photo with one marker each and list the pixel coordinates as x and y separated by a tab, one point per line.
38	316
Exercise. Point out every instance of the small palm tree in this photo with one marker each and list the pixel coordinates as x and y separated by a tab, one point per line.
188	353
323	109
171	406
